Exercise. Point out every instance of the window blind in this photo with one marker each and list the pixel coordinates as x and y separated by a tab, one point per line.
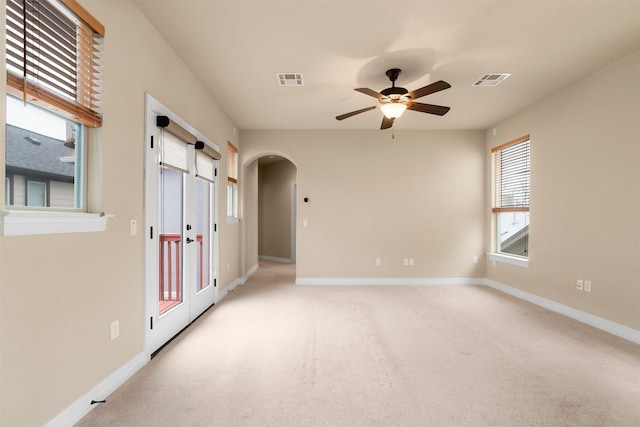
173	152
171	126
205	161
232	163
209	151
54	57
511	168
205	168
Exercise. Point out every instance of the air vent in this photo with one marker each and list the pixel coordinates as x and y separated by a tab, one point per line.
290	79
491	79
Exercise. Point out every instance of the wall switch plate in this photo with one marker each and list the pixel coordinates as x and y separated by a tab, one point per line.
378	261
410	261
579	284
475	259
115	329
406	261
133	227
587	285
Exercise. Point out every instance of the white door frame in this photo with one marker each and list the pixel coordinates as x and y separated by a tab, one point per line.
294	219
160	329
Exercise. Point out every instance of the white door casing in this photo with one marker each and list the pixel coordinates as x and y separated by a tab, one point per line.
196	233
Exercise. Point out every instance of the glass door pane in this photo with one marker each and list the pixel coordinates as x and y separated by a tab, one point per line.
171	197
203	233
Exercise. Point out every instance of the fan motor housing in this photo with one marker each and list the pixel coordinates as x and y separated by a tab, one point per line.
394	91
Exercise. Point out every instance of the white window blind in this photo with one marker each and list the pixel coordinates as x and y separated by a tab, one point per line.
54	57
205	161
511	168
205	167
173	152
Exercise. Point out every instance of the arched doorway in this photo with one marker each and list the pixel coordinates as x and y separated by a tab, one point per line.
277	209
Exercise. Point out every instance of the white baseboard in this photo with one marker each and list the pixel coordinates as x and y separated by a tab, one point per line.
82	406
230	288
613	328
387	281
239	281
249	272
275	259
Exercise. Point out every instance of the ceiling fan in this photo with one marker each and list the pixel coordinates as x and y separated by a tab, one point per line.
394	100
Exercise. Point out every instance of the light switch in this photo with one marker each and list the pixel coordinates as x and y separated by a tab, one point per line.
133	227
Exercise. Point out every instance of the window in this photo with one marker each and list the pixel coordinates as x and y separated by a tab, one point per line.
44	159
36	194
232	179
53	54
511	182
53	72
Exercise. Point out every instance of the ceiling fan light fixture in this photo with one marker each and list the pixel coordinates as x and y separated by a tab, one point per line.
394	109
394	100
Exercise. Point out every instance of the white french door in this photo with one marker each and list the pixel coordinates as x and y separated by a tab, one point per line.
180	211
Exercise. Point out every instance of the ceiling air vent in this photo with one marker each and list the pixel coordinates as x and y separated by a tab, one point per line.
290	79
491	79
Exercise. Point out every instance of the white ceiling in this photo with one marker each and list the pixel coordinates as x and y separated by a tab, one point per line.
236	48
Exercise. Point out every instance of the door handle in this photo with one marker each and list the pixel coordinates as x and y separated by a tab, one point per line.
189	240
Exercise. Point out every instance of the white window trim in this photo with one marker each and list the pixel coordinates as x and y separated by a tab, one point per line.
509	259
27	223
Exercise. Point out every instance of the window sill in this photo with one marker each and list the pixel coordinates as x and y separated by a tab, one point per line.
509	259
233	220
26	223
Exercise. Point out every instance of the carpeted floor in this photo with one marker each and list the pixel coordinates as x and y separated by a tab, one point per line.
275	354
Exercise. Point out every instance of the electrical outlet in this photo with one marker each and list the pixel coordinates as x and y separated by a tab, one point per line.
587	285
115	329
579	284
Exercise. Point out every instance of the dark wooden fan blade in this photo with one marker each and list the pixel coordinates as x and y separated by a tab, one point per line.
370	92
386	122
432	88
353	113
428	108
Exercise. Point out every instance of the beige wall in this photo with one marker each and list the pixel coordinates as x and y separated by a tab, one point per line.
420	195
275	181
59	293
585	194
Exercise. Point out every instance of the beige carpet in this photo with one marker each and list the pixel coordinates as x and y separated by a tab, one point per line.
275	354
